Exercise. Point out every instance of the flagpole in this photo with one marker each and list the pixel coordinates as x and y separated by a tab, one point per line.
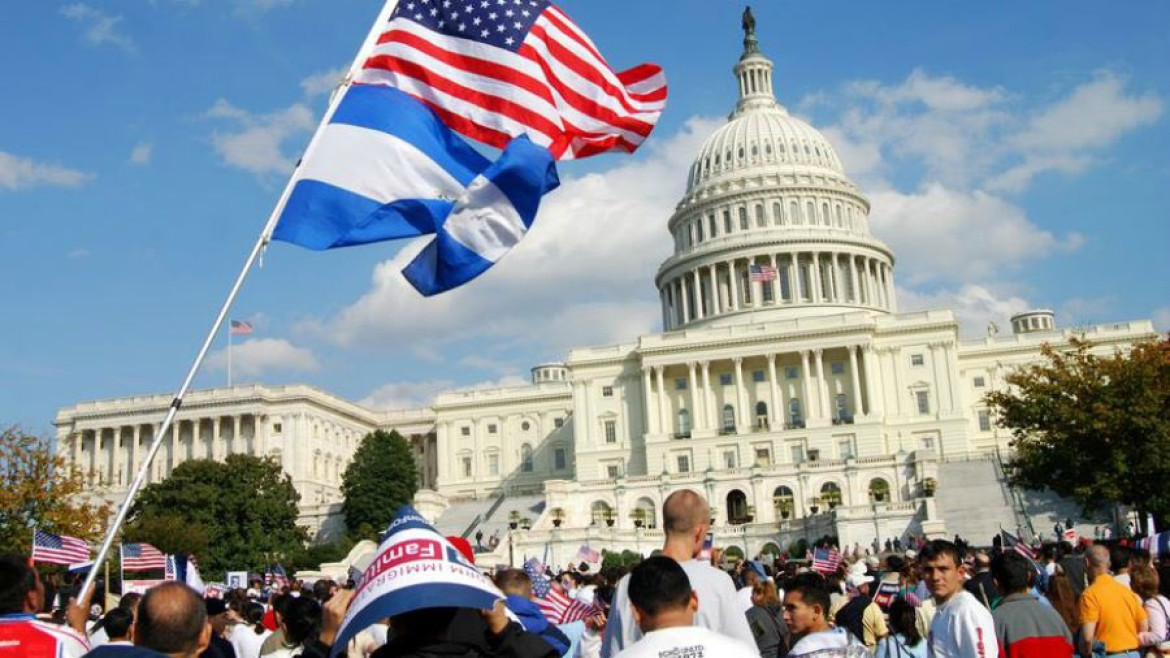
217	324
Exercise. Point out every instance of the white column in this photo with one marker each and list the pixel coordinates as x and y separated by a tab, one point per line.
822	385
775	420
856	299
740	393
815	272
648	400
663	402
871	289
585	430
891	294
663	298
757	288
716	308
708	398
805	389
698	284
793	279
899	389
687	314
936	366
734	284
858	409
775	283
834	279
952	377
693	385
874	383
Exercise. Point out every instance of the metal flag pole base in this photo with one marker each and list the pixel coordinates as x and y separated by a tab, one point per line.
257	250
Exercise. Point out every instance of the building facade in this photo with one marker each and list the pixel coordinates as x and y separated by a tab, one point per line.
786	387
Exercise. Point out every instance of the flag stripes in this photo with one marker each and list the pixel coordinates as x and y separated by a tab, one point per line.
58	549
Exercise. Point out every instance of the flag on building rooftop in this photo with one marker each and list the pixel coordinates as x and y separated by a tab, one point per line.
826	560
496	70
50	548
141	557
240	328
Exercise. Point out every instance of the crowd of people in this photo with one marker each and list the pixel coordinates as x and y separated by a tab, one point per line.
937	599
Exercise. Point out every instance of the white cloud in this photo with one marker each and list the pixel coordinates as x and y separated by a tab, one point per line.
18	173
142	153
99	27
258	356
940	233
78	253
974	306
258	142
410	395
323	83
582	276
1161	318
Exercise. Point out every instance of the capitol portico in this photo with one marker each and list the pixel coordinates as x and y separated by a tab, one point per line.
785	387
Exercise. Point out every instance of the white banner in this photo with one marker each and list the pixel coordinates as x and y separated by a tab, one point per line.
415	568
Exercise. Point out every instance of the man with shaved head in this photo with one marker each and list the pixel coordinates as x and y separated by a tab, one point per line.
685	521
1110	612
172	620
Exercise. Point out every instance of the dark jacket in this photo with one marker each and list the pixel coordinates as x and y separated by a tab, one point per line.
466	635
123	651
1026	628
770	631
983	588
851	615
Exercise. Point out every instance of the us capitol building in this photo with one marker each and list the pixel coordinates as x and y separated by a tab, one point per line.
786	387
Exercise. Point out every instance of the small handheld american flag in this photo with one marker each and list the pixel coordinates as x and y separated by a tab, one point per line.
826	560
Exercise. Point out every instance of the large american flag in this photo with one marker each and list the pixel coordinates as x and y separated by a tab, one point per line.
141	557
826	560
554	604
496	69
58	549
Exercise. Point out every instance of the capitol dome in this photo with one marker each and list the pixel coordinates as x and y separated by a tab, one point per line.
770	224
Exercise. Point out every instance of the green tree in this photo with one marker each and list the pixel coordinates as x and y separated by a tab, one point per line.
39	490
380	478
1094	428
231	515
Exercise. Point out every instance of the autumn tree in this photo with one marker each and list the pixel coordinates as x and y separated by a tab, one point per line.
39	489
231	515
1091	427
380	478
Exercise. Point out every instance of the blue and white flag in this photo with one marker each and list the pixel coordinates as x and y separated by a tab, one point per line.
415	568
386	167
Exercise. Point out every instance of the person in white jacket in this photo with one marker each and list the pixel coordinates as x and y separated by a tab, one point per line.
962	626
685	520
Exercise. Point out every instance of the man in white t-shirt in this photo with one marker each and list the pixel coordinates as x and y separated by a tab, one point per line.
962	626
685	519
664	608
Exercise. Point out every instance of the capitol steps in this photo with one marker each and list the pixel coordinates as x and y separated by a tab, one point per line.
974	501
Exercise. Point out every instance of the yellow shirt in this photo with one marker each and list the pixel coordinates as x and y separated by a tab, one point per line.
1116	612
873	624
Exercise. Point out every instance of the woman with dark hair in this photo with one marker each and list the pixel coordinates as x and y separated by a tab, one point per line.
904	640
248	635
298	622
1064	600
766	619
1144	581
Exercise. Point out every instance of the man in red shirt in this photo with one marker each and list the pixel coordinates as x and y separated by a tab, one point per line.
1025	627
22	635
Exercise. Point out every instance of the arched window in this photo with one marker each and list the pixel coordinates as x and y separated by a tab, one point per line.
826	218
879	490
743	219
601	512
760	222
762	415
794	213
811	210
783	501
777	219
645	513
699	231
737	507
728	418
526	458
831	494
711	226
795	415
726	221
684	424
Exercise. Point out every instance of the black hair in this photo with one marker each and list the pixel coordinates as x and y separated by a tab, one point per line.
1119	558
938	548
659	584
895	563
904	620
17	579
117	622
172	625
1012	572
321	590
813	590
300	618
253	616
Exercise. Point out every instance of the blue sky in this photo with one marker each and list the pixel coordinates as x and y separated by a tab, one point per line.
1016	156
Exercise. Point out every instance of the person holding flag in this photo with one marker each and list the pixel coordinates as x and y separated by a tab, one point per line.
22	635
